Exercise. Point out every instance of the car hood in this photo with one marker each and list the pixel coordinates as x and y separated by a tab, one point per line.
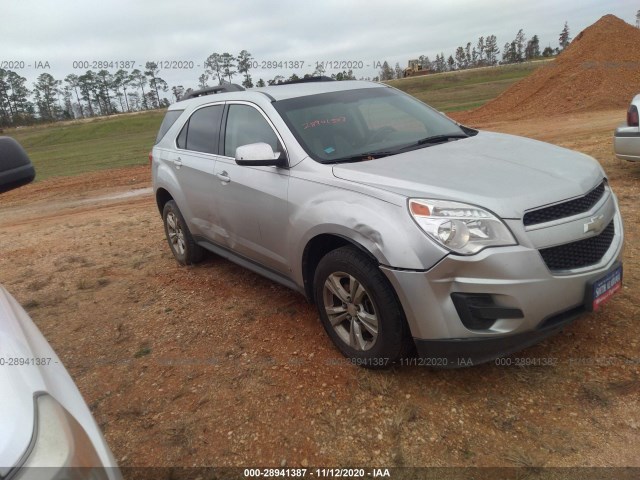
18	384
503	173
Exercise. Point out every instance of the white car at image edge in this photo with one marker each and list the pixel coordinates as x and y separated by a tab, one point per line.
46	428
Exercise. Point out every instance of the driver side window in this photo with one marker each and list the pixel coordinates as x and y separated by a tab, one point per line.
246	125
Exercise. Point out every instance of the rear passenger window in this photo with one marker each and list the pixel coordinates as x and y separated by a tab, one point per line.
200	133
246	125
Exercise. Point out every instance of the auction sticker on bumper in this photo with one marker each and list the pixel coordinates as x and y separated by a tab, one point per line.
604	287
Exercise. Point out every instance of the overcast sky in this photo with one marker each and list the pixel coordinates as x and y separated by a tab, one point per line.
63	31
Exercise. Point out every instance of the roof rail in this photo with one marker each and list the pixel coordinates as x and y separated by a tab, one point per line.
322	78
225	87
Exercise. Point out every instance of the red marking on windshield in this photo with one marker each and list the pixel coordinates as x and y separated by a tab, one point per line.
326	121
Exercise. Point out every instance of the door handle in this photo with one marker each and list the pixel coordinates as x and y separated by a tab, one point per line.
177	162
223	177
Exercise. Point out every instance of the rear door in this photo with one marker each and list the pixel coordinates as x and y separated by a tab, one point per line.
194	163
252	203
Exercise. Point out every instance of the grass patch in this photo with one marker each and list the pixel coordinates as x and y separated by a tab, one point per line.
521	459
627	387
466	89
38	285
595	395
84	284
376	383
144	351
72	148
31	304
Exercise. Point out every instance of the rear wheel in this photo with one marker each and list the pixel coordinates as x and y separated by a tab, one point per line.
359	310
185	250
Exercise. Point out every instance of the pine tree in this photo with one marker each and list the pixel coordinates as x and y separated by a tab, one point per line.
73	84
564	38
520	46
460	58
140	80
46	94
505	54
491	50
213	67
105	80
244	64
481	48
228	64
442	63
436	64
202	81
386	73
399	72
451	63
155	82
123	79
533	48
178	92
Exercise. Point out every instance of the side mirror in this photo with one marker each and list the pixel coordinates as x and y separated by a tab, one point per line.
259	155
16	168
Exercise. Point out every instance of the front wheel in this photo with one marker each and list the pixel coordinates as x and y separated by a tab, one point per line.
359	310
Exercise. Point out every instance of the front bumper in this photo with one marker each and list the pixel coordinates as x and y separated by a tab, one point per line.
466	352
515	278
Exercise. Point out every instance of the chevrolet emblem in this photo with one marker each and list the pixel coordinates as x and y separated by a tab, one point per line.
594	224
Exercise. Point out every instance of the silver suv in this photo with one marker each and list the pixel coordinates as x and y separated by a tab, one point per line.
626	139
405	228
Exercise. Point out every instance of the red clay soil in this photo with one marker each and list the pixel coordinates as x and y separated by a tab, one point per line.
599	70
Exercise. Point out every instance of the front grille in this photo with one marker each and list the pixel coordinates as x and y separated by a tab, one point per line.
565	209
579	254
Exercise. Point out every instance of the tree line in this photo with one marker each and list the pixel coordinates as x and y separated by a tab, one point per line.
79	96
223	67
484	53
99	93
104	93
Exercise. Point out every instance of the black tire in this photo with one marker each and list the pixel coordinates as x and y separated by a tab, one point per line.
392	341
185	250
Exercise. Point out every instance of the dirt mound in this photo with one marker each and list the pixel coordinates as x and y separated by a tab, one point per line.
599	70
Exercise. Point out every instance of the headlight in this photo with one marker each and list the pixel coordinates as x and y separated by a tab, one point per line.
461	228
61	445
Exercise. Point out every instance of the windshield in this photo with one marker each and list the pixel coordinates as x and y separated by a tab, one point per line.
362	124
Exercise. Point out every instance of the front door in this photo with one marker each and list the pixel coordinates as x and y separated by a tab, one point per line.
252	203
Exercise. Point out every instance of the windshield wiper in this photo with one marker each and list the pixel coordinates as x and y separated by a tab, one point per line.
433	140
365	156
385	153
439	139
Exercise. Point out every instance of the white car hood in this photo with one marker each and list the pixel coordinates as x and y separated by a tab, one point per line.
504	173
17	383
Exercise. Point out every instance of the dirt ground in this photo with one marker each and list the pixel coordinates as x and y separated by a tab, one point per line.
213	365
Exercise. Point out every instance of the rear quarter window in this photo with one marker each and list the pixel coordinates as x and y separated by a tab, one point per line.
169	119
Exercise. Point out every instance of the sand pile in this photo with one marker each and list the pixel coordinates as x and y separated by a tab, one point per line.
599	70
